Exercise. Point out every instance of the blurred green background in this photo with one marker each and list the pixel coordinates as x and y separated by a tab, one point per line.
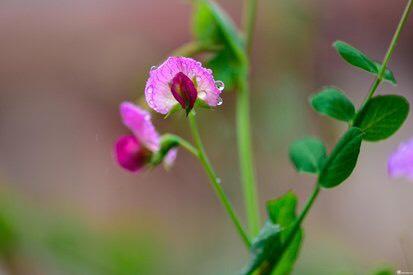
67	208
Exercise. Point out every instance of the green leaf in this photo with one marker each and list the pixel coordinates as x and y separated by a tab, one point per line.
308	155
268	240
333	103
342	161
282	211
362	61
268	253
212	26
382	116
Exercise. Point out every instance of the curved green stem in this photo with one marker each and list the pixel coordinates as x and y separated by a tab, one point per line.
390	50
183	143
215	180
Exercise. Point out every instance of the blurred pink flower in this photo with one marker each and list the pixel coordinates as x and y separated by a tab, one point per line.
400	163
181	80
134	152
139	122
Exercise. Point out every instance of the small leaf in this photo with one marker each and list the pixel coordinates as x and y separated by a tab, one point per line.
212	26
263	245
308	155
382	116
362	61
334	103
282	211
342	161
268	253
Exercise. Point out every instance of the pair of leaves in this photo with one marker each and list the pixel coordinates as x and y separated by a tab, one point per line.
379	119
309	155
212	26
358	59
269	255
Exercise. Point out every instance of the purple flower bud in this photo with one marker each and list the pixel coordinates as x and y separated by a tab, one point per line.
400	164
130	154
184	91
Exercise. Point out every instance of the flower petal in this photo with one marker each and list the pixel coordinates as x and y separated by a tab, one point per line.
170	158
130	154
158	93
139	122
400	163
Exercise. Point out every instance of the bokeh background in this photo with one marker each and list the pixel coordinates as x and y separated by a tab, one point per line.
67	208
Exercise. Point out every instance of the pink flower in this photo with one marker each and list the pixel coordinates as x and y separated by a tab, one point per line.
181	80
400	163
134	152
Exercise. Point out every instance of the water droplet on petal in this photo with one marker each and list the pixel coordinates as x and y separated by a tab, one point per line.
220	101
198	63
209	71
154	68
202	94
220	85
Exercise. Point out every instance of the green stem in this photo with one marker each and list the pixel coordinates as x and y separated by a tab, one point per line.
215	180
390	50
249	22
243	127
184	144
297	224
246	159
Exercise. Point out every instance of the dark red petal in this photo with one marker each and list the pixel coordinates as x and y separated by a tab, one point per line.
184	91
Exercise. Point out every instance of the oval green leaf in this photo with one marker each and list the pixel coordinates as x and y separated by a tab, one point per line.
382	116
333	103
358	59
342	161
307	155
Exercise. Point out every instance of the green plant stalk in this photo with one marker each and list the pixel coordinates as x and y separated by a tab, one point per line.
249	22
310	202
246	159
215	180
390	50
243	122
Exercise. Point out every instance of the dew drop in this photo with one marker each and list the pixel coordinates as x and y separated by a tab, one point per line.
209	71
220	101
154	68
202	94
220	85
